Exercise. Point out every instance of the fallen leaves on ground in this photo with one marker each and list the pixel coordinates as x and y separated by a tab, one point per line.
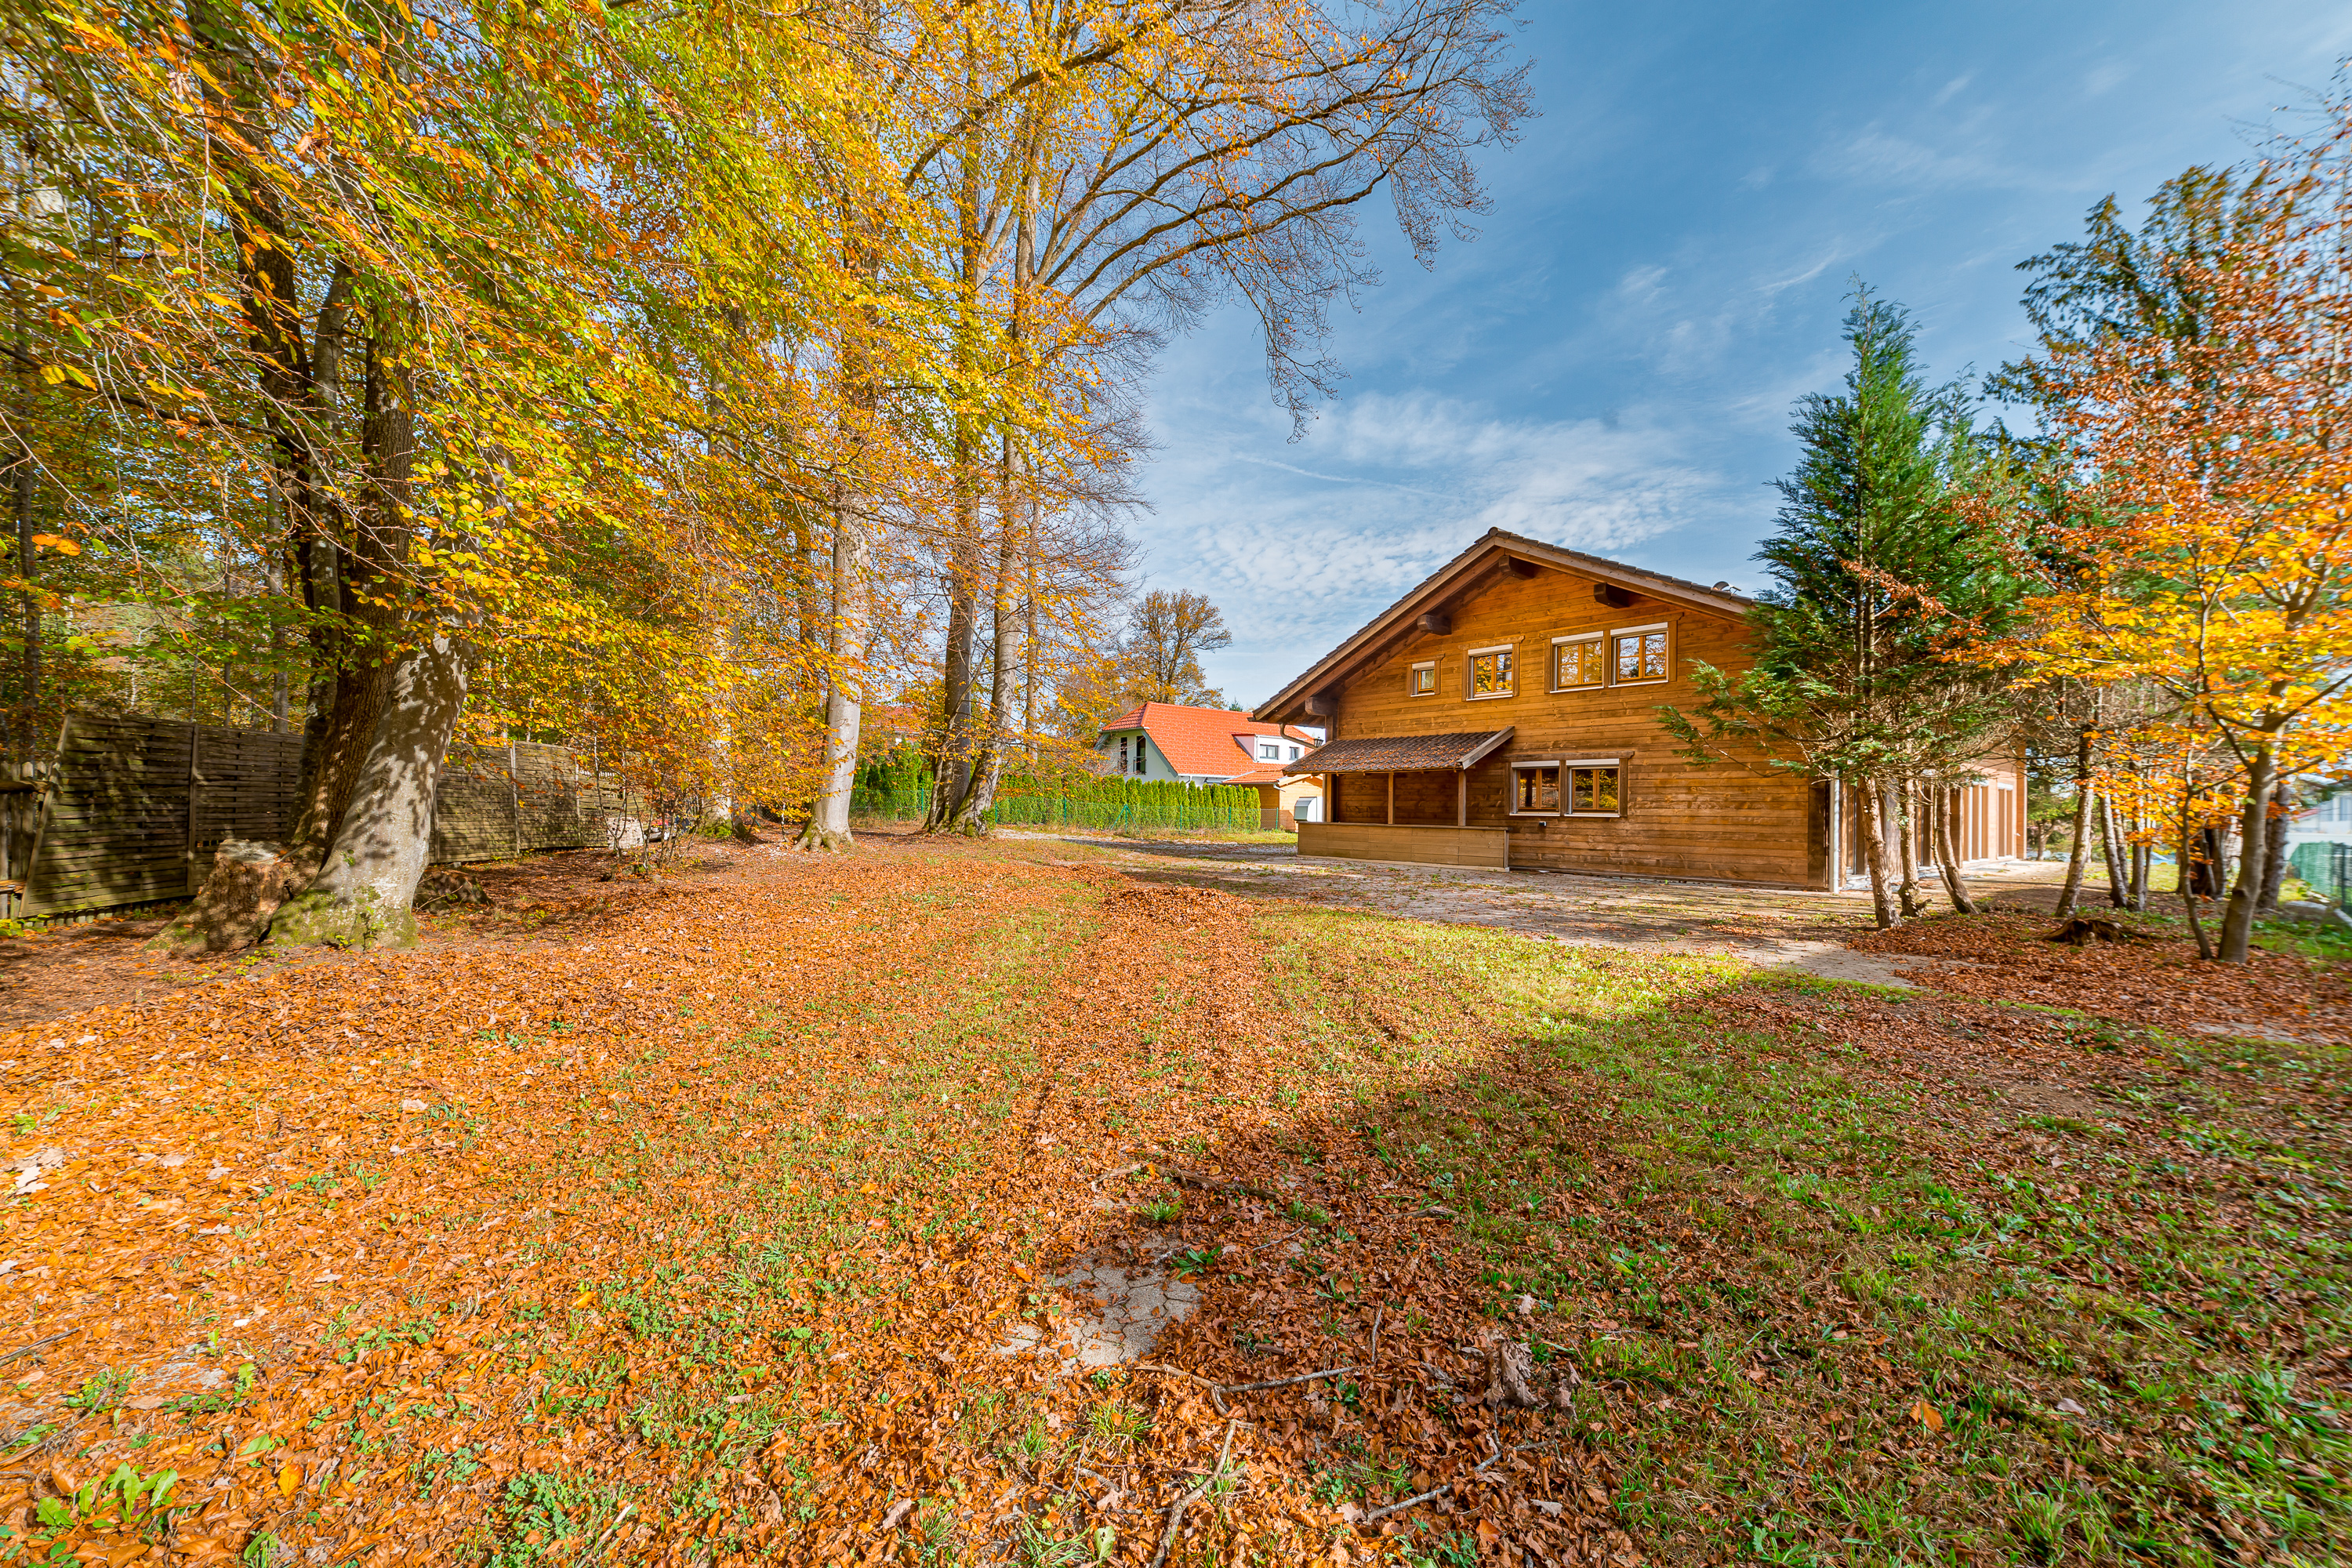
2000	955
698	1230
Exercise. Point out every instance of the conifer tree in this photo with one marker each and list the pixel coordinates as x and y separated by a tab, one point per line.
1875	568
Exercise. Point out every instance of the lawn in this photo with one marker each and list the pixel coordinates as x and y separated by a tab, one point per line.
695	1226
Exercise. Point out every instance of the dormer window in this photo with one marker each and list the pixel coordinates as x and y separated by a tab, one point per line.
1268	752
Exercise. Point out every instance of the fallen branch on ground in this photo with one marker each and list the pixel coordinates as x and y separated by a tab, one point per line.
36	1345
1285	1382
1437	1492
1190	1178
1176	1512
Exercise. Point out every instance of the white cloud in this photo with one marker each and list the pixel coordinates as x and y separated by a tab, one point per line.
2106	77
1299	555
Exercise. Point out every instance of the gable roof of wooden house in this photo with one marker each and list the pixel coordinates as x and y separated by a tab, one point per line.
1494	552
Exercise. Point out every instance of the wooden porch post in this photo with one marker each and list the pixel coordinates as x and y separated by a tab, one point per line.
1461	797
1391	799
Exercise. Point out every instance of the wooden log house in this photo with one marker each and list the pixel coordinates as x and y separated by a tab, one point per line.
1503	714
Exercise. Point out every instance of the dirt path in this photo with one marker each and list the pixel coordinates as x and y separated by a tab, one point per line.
1797	932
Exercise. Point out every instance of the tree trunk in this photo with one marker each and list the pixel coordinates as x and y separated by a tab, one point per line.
2253	851
970	815
2188	886
951	775
353	583
2274	864
2111	846
1948	855
828	824
2078	855
21	464
2140	856
1874	854
1901	801
363	896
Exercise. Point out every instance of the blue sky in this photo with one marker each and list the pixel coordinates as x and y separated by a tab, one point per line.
1610	364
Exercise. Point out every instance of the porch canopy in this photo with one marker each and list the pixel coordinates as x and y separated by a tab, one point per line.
1454	753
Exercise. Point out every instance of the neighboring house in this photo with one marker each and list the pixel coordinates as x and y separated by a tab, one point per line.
2329	822
1215	746
1504	713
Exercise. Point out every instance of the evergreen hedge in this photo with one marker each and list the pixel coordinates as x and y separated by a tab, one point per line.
884	791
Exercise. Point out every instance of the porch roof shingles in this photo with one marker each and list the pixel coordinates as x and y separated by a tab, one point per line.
1400	753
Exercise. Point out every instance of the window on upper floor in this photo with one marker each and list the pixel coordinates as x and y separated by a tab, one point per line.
1293	753
1489	673
1421	681
1639	655
1576	661
1268	752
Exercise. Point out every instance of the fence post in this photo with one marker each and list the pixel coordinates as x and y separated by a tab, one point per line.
195	788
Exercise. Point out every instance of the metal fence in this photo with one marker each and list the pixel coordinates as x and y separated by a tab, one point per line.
2325	868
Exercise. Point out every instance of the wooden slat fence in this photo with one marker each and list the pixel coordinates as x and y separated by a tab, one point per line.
132	809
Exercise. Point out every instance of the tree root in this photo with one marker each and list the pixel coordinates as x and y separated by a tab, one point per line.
320	919
2083	930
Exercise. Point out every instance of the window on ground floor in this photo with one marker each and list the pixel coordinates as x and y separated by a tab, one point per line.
1595	788
1535	789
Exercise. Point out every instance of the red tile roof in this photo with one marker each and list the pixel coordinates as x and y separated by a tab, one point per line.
1202	743
1264	773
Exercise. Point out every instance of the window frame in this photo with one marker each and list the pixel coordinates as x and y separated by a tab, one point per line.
1568	785
1411	674
1470	657
1268	752
1122	754
1530	765
1609	653
1600	640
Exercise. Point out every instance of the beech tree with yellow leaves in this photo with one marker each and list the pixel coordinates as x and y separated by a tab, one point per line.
2213	561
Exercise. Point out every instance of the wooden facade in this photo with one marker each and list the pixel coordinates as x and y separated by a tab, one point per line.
1593	649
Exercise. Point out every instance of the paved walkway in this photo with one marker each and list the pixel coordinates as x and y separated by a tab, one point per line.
1804	932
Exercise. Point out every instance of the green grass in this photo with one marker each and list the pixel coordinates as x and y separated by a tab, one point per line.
1847	1331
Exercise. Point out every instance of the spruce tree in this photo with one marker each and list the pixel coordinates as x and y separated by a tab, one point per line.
1877	568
